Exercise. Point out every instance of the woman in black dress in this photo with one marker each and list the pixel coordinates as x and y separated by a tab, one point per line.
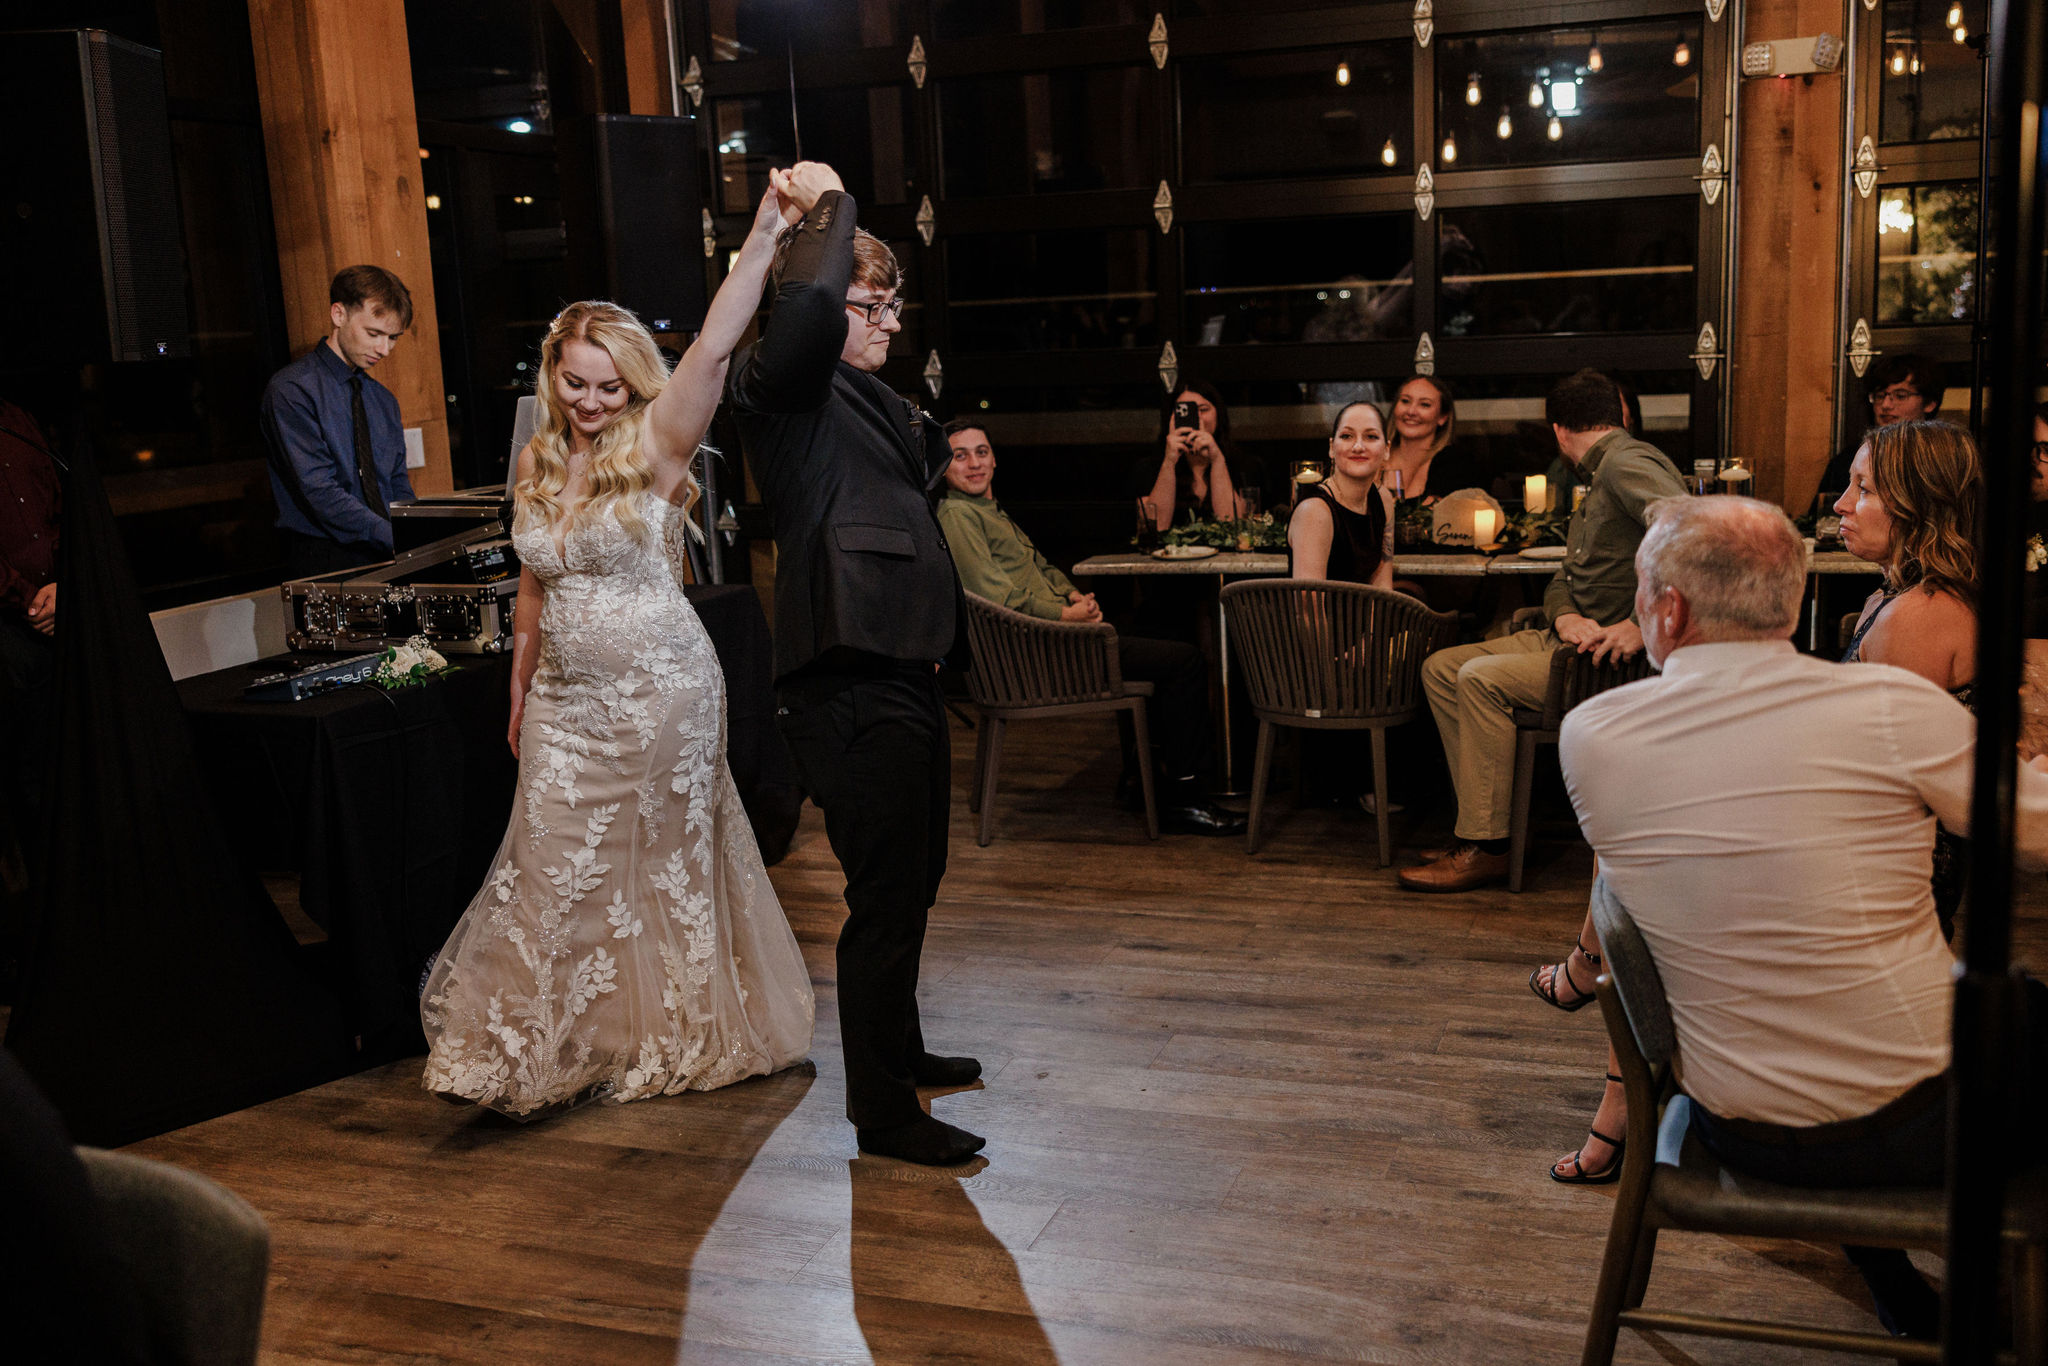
1343	528
1423	461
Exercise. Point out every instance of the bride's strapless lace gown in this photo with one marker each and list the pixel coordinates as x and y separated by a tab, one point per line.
627	942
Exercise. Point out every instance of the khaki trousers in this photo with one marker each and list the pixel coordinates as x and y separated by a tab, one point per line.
1474	690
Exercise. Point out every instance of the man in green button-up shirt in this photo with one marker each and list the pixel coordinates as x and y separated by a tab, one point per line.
1474	689
997	561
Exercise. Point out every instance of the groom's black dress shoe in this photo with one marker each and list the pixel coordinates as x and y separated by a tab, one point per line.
925	1141
933	1070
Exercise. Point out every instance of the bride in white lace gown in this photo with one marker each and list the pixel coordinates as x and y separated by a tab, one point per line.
627	942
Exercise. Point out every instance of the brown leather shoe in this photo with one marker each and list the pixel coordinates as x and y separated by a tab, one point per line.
1430	853
1461	870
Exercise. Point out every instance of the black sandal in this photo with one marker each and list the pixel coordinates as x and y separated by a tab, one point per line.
1581	1177
1564	970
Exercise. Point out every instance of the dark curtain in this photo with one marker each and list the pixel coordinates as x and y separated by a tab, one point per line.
159	985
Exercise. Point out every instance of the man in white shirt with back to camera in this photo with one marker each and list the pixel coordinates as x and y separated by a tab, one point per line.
1768	820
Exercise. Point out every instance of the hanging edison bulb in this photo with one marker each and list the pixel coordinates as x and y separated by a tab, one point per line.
1554	130
1450	150
1343	73
1594	61
1682	54
1914	65
1388	156
1535	94
1955	15
1961	35
1898	61
1505	129
1472	88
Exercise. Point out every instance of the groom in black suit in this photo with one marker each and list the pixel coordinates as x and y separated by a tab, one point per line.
866	605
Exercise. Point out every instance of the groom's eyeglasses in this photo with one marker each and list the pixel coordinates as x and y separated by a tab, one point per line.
875	312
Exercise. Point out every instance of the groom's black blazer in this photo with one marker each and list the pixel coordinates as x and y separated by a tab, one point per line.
846	468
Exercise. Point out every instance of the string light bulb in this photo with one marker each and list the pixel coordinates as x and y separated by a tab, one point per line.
1961	35
1505	129
1343	73
1955	15
1388	156
1554	130
1472	88
1898	61
1594	61
1914	65
1535	94
1682	54
1450	152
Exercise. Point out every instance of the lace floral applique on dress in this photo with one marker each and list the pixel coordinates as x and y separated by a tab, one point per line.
644	953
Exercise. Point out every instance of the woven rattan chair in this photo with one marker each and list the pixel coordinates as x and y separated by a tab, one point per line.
1574	677
1026	668
1317	655
1670	1181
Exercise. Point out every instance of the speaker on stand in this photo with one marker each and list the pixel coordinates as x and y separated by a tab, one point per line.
92	258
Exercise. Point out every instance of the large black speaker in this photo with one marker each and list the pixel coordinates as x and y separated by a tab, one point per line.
92	260
640	236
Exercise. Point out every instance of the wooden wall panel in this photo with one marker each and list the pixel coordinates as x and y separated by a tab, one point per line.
342	143
649	82
1793	153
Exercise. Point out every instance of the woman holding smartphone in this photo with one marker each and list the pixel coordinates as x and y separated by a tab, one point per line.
1197	467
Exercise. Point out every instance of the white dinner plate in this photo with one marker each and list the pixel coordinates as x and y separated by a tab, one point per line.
1184	552
1543	552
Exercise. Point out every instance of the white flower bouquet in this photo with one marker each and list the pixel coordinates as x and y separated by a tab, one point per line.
409	665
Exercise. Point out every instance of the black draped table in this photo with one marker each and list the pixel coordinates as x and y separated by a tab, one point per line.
391	806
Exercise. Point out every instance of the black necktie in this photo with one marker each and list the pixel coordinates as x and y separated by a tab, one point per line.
366	468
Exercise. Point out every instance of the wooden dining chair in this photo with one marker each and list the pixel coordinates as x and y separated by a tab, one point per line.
1026	668
1669	1181
1318	655
1574	677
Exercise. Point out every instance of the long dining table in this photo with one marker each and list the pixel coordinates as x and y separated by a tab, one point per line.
1241	564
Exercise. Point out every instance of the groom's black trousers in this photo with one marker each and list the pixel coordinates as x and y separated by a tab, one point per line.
870	743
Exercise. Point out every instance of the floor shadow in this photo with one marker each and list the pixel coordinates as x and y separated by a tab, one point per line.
930	1281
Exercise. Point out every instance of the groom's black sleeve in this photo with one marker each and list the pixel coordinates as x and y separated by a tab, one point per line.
790	371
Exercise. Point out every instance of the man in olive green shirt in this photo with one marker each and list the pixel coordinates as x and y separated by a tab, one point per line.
997	561
1474	689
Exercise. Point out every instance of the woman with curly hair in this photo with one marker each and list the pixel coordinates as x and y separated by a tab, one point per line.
626	942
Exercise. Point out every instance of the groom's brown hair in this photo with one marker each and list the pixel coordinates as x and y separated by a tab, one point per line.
874	265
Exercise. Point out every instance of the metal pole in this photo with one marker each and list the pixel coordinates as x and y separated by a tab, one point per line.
1980	325
1986	1041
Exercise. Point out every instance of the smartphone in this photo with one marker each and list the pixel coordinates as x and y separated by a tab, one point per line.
1184	414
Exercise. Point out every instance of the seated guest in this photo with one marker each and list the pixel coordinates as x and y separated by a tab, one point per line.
1423	461
337	447
1474	689
1343	528
1199	470
1563	477
1901	388
1765	818
997	561
1911	507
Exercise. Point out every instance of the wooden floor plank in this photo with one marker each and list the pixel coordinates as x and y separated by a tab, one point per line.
1240	1110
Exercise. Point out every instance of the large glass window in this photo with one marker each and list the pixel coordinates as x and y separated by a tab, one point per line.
1926	252
1091	128
1932	86
1614	93
1300	280
1613	266
1052	291
769	28
1276	116
982	18
868	134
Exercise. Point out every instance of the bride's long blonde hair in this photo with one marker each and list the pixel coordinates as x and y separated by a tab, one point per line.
618	469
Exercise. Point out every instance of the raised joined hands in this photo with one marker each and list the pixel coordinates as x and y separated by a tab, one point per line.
803	185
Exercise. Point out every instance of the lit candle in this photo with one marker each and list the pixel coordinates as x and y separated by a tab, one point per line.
1485	522
1536	494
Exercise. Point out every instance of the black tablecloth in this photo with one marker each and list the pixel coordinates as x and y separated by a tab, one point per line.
391	806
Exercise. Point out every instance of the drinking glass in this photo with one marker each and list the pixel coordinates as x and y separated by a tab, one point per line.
1148	525
1248	502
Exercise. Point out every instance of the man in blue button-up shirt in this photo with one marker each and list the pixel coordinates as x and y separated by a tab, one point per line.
337	449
